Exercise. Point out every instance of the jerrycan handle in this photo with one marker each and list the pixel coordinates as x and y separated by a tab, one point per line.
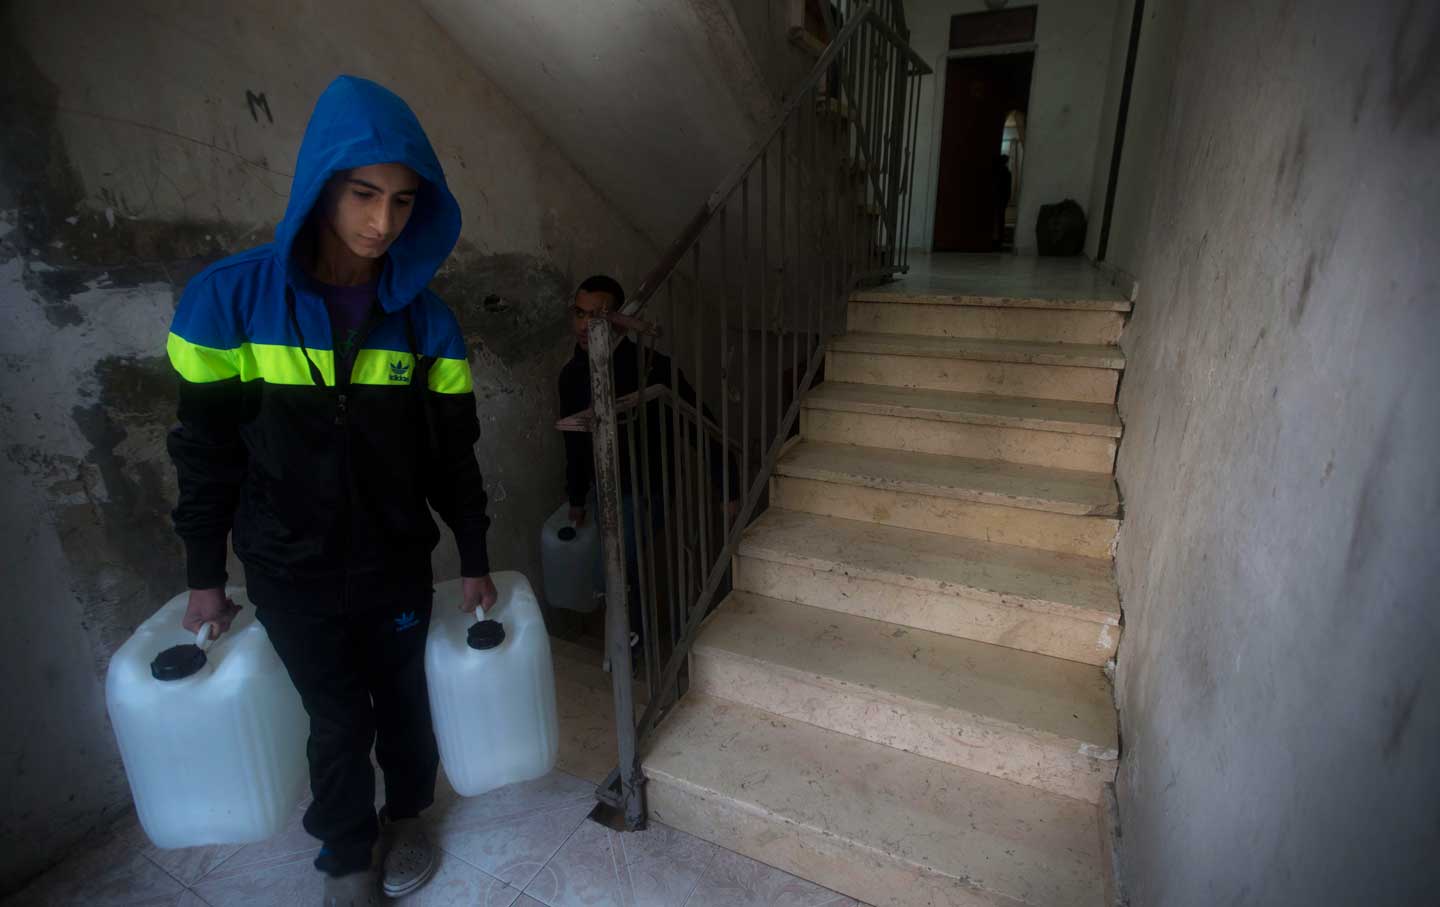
202	638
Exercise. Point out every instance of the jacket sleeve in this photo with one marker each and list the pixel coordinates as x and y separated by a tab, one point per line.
454	486
579	452
210	458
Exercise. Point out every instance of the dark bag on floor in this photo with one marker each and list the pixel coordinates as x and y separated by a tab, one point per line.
1060	229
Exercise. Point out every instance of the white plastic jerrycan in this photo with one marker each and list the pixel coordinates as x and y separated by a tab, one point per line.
212	734
570	555
492	688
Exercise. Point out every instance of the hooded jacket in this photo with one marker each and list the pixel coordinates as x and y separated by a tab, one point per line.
325	478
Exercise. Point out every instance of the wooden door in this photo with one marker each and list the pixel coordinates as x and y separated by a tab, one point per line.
979	92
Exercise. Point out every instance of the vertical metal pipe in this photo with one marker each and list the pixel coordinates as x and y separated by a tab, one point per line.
617	614
910	173
745	335
702	473
795	267
784	285
671	517
645	533
898	109
763	309
814	198
725	365
634	584
677	531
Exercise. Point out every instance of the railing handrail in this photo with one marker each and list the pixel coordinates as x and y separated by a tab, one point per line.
676	253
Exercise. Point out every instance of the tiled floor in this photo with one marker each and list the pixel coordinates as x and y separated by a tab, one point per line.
1030	276
525	845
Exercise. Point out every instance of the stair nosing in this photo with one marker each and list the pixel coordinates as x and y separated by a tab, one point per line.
1109	509
749	547
960	415
985	300
1104	747
979	349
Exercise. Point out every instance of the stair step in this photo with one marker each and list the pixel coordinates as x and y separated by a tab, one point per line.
986	321
1035	601
975	499
1028	718
980	481
888	827
1078	436
1105	300
1098	419
1086	373
1086	536
1026	352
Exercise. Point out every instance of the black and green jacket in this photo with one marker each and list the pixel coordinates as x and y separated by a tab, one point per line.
326	480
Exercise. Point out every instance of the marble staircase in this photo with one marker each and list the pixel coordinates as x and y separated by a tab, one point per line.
904	697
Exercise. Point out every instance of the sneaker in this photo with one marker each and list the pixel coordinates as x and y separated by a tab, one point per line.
357	889
409	859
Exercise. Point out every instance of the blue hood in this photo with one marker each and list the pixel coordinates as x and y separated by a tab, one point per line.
357	123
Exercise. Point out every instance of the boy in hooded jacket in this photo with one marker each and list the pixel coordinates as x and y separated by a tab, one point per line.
325	407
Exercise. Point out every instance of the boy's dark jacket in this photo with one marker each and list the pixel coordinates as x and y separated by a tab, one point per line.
325	478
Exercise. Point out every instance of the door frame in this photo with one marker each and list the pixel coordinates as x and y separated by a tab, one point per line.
937	120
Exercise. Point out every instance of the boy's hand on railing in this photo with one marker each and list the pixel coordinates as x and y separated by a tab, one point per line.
581	421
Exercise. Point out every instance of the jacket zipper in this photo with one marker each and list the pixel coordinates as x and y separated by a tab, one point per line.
342	423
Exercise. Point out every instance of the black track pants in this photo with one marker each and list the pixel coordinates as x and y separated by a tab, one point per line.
361	677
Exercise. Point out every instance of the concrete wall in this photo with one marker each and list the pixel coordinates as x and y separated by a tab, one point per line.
656	99
766	26
1278	683
130	158
1074	42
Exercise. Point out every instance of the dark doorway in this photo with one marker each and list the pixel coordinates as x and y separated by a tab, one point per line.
973	189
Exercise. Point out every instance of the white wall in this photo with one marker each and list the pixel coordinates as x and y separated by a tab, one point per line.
1074	41
129	159
655	99
1278	682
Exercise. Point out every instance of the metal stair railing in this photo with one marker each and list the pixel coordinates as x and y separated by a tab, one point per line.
746	298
